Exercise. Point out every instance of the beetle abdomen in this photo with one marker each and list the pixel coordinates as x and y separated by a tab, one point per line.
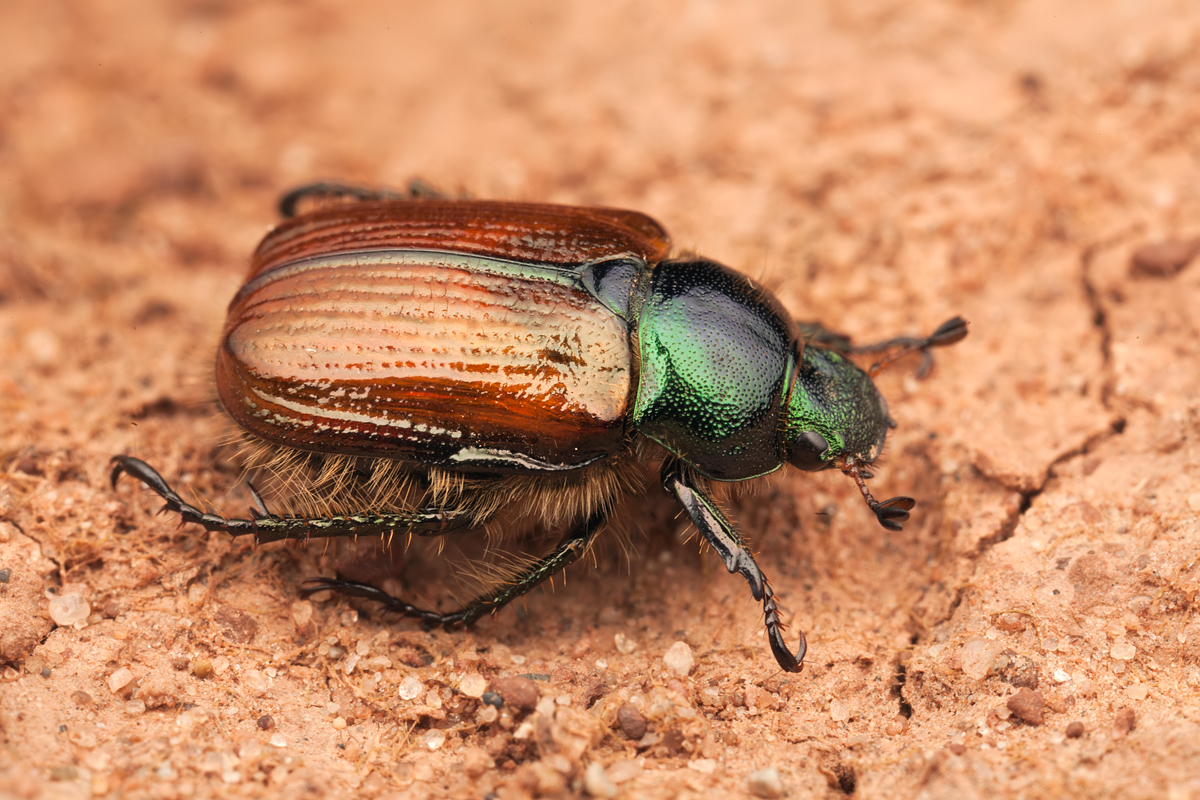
442	359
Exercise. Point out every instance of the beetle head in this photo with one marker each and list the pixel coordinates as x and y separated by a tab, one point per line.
835	415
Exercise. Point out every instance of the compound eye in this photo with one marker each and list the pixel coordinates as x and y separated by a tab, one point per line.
807	451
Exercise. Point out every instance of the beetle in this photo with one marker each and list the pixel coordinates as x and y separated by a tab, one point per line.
427	362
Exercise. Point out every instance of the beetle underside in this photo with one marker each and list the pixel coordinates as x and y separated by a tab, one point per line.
316	485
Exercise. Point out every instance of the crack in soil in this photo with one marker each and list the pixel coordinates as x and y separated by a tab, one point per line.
1099	312
1100	321
1006	529
900	679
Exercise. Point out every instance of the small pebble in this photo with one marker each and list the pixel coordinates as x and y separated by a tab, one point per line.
1028	706
1122	651
5	575
1138	691
518	692
765	783
410	688
278	740
302	612
473	684
492	699
631	721
339	723
135	707
265	723
120	679
69	609
678	659
976	656
202	668
1075	730
433	739
179	663
896	725
1163	259
82	698
596	781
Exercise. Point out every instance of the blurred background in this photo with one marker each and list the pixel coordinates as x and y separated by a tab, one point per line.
880	165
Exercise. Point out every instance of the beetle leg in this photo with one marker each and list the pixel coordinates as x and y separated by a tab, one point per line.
719	532
816	333
268	527
325	193
567	552
948	333
890	513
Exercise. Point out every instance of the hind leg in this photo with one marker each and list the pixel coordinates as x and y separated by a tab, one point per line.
569	549
328	193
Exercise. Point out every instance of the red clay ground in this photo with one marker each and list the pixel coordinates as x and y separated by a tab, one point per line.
881	165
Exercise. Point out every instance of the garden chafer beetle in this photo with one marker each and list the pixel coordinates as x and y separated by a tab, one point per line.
427	362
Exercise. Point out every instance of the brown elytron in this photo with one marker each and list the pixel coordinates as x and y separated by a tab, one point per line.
367	330
533	232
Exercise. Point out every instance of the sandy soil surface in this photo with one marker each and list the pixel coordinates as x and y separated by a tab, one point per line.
881	165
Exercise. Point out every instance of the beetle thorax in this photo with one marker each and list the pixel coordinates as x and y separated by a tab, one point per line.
715	354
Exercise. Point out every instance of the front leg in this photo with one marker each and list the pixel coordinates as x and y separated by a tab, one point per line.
720	533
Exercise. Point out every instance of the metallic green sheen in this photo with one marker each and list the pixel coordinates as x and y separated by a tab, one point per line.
835	398
716	354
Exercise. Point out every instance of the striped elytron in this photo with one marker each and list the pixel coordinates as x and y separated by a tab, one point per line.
427	362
